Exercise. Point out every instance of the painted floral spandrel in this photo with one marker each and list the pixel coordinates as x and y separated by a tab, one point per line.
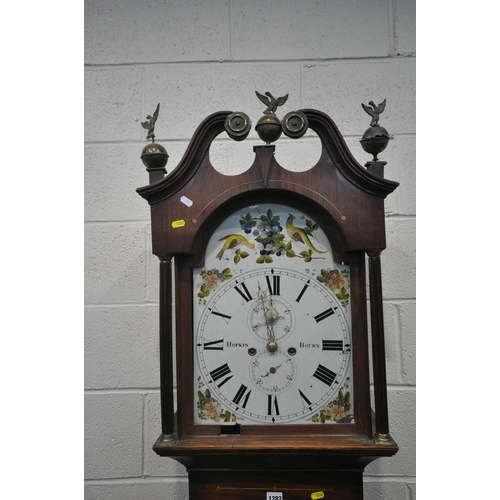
339	410
338	282
210	279
210	409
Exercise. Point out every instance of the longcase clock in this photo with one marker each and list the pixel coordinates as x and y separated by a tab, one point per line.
268	272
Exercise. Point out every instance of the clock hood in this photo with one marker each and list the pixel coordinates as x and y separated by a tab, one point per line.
337	186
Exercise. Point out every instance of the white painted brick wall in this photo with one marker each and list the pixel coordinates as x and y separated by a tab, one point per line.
198	57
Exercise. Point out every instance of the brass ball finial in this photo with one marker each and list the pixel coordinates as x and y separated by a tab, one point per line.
376	138
269	128
154	155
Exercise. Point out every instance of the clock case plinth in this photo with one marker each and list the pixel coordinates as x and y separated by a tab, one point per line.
348	202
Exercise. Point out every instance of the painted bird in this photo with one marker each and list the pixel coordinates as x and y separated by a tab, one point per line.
298	234
232	241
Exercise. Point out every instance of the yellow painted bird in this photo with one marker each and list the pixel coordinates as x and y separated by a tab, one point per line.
298	234
232	241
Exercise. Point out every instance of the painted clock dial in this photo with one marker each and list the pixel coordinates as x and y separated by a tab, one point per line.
272	323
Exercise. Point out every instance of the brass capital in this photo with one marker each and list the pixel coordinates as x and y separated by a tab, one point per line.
374	253
164	257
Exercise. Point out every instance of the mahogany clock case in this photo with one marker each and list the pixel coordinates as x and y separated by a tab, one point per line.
347	202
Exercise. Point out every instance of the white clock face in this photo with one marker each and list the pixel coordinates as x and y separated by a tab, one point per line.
272	323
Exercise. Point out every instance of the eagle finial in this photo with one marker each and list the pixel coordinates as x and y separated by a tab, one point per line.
150	125
374	111
271	102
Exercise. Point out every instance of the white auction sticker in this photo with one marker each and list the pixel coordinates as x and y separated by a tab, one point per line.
186	201
274	495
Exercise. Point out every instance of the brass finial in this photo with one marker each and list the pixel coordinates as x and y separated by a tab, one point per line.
269	126
154	155
374	111
271	102
150	125
375	138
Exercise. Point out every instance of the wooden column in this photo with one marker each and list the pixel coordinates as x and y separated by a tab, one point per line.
166	355
378	346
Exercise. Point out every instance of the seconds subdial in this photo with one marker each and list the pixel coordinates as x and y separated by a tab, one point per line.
273	373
